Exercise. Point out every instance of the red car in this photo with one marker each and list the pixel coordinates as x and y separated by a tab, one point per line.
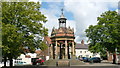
40	61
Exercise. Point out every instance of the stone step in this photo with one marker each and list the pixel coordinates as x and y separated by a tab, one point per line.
54	62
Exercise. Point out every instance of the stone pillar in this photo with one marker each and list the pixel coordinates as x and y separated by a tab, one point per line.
73	50
56	52
60	51
66	52
51	51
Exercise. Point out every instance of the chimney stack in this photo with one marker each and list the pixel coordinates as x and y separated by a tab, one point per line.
82	42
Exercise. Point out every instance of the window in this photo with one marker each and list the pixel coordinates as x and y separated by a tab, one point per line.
80	51
85	51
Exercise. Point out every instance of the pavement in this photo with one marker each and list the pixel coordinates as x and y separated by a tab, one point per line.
103	64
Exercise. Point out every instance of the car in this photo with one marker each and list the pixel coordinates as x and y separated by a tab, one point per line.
21	63
85	59
40	61
94	60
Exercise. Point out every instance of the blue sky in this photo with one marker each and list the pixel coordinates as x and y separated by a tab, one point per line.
46	5
79	16
69	15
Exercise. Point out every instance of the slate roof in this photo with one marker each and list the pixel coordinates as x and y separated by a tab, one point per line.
81	46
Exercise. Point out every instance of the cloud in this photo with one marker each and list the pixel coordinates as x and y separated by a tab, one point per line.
51	12
52	20
81	0
52	0
85	13
71	23
35	1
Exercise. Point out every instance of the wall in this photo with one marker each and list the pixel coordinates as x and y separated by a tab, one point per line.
22	58
85	53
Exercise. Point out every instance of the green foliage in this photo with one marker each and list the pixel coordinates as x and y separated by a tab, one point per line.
11	40
22	26
44	46
103	55
105	36
14	0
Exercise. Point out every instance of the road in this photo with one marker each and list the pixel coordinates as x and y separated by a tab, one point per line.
103	64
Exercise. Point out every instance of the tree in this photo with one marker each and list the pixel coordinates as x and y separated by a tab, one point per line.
105	36
25	19
11	41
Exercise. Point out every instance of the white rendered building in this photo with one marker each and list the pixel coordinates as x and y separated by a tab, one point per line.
23	58
82	51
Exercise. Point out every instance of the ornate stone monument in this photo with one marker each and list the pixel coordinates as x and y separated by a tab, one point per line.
62	49
63	45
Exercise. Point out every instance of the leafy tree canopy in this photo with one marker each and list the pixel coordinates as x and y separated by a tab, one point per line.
106	34
22	27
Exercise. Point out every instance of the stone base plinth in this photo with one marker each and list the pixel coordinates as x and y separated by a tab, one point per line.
63	63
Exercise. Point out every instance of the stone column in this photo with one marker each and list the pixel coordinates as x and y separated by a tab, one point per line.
60	51
56	52
73	50
66	52
51	51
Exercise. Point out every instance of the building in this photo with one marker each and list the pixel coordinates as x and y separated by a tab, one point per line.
24	58
82	51
62	46
46	52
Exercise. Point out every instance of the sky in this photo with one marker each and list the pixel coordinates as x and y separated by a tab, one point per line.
80	14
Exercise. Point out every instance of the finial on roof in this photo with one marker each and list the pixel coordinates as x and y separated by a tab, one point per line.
62	10
62	15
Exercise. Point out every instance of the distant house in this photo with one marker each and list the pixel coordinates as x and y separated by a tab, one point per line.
46	52
82	51
24	58
37	54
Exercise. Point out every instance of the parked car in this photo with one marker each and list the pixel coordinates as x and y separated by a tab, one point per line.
21	63
94	60
85	59
40	61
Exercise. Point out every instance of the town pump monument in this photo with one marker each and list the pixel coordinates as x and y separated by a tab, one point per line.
63	45
62	49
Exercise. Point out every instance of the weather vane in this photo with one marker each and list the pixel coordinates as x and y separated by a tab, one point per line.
62	10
